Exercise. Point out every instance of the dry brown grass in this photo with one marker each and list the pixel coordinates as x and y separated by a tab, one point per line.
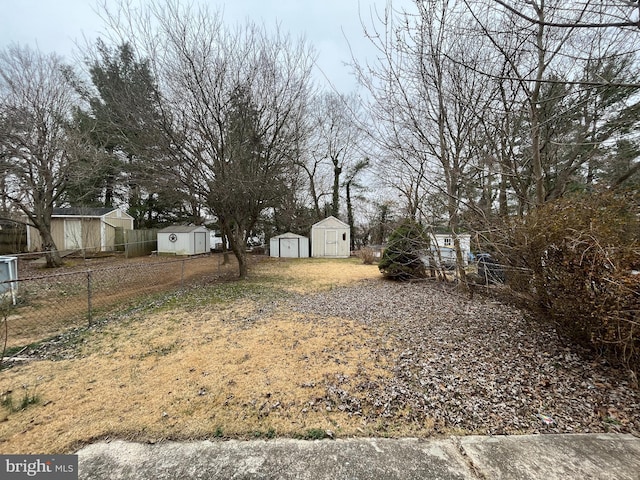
59	302
310	275
205	373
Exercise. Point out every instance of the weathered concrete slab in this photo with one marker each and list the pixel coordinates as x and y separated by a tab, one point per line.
551	457
547	457
369	459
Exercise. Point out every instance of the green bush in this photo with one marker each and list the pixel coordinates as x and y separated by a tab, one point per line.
583	255
401	260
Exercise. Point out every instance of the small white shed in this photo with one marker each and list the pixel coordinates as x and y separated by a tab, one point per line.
330	238
289	245
184	240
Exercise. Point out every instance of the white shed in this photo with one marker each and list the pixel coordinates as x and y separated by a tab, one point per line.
184	240
330	238
289	245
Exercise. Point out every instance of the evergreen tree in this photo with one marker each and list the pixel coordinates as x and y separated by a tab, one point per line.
402	259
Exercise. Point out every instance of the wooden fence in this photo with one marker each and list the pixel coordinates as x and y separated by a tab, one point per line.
138	243
13	239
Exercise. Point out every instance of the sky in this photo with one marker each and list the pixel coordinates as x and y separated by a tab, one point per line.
333	27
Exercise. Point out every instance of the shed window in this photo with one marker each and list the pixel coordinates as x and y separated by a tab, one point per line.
447	242
344	237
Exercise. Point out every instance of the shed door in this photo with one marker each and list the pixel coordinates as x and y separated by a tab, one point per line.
331	243
289	248
72	234
200	239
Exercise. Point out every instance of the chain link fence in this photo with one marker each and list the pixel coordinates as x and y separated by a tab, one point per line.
36	307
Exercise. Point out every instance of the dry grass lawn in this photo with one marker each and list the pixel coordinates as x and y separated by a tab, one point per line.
245	366
56	302
311	275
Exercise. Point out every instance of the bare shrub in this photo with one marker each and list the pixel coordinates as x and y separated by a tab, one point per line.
367	255
584	255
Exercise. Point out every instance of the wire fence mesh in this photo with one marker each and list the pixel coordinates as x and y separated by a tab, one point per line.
36	306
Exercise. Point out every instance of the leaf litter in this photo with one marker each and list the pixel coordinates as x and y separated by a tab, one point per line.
477	366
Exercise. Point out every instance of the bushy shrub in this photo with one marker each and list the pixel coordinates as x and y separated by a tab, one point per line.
401	260
583	255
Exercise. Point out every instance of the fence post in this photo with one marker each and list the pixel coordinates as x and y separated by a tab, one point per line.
89	296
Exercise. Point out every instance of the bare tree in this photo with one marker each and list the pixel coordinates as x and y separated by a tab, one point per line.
35	107
233	101
351	184
608	14
559	72
336	138
316	174
425	104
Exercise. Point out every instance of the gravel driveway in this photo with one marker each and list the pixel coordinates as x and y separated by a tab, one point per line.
474	366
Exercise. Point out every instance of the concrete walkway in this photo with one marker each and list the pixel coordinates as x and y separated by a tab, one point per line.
547	457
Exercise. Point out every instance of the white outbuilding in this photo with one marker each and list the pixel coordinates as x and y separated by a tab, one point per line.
442	244
289	245
183	240
330	238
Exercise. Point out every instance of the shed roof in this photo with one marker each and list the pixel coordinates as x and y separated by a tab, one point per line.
289	235
331	221
451	234
82	211
182	229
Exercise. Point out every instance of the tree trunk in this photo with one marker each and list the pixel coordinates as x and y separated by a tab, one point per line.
237	246
225	249
350	219
453	225
235	236
316	199
538	175
335	201
49	247
503	208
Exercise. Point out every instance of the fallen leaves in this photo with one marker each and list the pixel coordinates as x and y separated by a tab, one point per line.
474	366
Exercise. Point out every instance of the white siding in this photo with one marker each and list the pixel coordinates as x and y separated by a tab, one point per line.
330	238
445	242
289	245
180	242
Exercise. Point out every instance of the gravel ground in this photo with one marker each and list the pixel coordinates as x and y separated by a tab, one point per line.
474	366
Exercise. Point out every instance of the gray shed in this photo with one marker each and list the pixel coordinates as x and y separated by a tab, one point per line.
289	245
183	240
